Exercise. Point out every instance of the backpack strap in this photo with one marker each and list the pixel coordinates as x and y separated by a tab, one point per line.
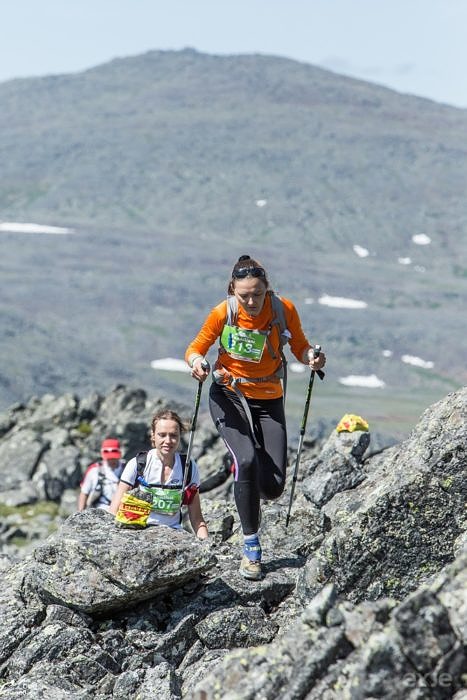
141	459
190	468
278	318
97	494
100	483
100	474
188	476
232	310
231	320
284	335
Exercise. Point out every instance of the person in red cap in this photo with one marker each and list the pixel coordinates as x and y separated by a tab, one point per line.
101	478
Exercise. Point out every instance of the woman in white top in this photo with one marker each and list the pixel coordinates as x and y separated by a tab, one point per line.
163	476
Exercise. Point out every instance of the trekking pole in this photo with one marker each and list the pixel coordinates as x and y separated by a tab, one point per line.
320	373
204	365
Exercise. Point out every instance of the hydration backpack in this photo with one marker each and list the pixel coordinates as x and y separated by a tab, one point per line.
278	319
190	491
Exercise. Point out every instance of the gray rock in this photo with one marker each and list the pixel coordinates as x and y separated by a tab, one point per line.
88	407
398	527
19	614
286	669
199	669
6	422
338	467
99	612
397	652
235	627
303	534
58	469
20	452
57	641
450	587
175	643
25	493
68	502
417	654
127	684
57	437
44	681
51	411
93	566
160	682
221	517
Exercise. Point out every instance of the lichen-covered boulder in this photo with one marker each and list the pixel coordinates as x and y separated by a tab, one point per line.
20	452
338	467
236	627
93	566
335	650
19	614
398	527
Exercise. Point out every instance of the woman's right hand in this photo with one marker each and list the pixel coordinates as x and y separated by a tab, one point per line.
200	369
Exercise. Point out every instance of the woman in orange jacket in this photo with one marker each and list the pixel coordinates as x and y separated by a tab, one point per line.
246	397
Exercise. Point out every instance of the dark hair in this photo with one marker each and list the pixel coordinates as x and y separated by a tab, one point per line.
247	267
167	414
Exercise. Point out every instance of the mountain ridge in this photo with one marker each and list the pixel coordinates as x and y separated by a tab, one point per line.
115	102
171	164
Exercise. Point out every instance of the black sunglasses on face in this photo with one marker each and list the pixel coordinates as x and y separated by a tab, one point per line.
248	272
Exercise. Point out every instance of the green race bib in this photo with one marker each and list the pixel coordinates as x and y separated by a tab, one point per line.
165	501
243	344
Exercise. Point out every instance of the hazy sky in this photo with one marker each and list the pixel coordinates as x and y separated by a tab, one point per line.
413	46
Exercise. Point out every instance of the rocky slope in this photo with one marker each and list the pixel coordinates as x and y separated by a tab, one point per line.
364	594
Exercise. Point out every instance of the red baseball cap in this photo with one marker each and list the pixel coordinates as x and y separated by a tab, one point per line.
110	449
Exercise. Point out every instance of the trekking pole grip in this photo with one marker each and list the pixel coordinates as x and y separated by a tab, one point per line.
316	352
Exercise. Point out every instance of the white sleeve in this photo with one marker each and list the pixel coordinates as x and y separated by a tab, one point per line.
90	481
130	473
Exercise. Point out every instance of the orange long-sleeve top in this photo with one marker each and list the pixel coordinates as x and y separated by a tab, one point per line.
212	330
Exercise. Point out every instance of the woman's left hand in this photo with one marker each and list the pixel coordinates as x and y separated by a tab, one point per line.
200	369
316	363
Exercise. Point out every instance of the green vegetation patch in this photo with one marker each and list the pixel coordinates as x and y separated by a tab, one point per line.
30	511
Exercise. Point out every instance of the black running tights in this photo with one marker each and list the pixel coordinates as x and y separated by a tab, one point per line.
259	471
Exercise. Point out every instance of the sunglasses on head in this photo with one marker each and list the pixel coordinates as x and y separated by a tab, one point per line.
243	272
